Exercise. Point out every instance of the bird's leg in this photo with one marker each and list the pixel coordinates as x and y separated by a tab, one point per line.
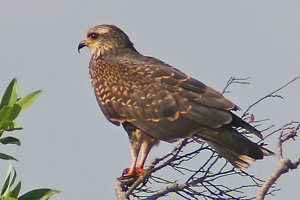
138	140
146	147
134	155
134	136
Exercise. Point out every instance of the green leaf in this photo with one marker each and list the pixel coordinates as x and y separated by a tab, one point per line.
7	198
5	186
10	94
15	192
39	194
10	140
9	126
7	157
24	102
9	113
9	180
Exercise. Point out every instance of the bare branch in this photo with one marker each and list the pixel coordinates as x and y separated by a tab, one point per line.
155	161
120	191
287	126
204	179
272	94
234	80
284	164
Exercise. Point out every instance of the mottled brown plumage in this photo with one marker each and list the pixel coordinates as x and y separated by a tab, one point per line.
154	101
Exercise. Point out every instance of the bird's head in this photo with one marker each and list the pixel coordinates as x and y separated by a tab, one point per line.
105	38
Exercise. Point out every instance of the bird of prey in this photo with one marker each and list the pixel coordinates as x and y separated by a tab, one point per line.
154	101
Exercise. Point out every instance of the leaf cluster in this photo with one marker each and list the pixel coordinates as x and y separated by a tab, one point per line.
10	108
10	192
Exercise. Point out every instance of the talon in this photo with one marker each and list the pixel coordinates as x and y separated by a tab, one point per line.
128	178
136	173
125	171
140	171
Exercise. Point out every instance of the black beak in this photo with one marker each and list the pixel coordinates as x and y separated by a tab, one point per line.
81	45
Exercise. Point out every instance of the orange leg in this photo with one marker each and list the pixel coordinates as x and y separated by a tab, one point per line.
135	171
137	140
134	156
146	147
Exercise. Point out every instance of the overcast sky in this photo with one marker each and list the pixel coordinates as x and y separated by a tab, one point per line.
68	145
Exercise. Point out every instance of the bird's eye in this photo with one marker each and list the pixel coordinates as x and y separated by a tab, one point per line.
94	36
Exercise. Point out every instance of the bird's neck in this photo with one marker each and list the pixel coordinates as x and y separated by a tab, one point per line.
109	50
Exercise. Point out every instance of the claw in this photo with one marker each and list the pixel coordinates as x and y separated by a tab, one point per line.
126	175
141	171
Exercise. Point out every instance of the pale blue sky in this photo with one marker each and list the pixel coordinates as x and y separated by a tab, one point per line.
68	145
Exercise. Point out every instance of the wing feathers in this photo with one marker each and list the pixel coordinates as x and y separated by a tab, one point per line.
194	86
152	92
208	116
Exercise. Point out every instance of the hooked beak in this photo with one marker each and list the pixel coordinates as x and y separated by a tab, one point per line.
81	45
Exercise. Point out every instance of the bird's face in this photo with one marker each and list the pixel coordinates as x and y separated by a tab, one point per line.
105	38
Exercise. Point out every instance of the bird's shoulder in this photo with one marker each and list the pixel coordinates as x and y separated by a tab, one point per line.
148	68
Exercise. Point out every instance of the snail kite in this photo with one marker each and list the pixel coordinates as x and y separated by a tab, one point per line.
155	101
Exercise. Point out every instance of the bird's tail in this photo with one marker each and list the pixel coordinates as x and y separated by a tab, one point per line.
233	146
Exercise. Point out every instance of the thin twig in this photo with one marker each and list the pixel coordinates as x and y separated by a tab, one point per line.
233	80
269	95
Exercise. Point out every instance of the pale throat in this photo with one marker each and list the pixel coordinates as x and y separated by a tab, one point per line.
98	51
93	49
